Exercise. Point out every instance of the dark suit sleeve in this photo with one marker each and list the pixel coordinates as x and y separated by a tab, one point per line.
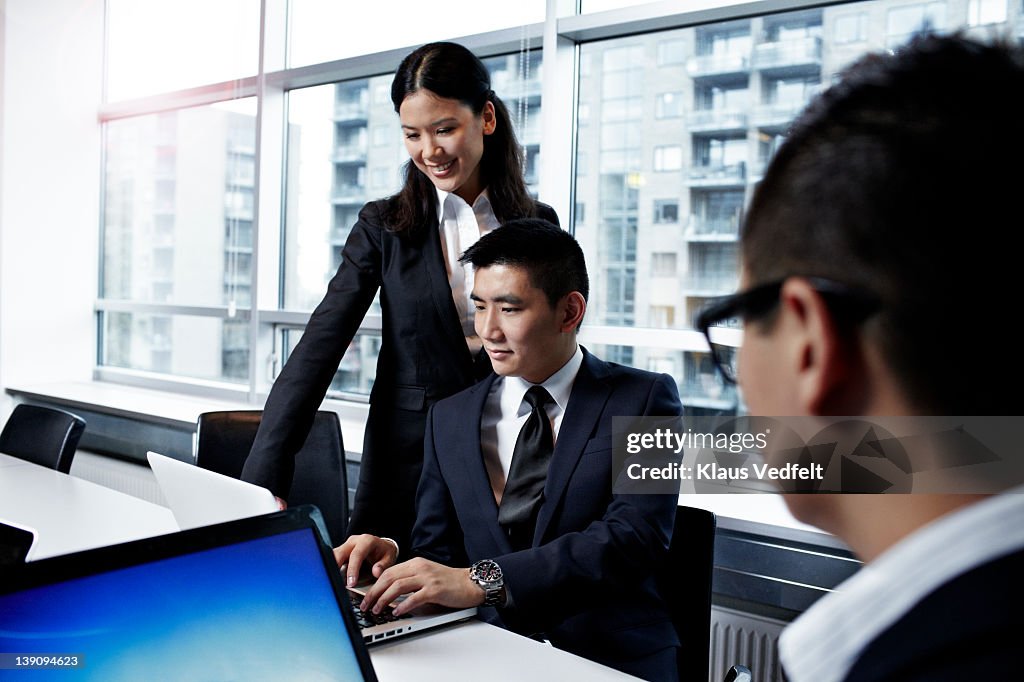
436	534
558	579
300	388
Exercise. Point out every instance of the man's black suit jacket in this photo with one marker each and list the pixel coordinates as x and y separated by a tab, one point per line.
423	358
969	629
587	582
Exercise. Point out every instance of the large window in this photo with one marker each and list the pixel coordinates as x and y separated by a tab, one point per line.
227	197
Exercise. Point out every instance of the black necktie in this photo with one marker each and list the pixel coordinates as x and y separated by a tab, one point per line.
524	488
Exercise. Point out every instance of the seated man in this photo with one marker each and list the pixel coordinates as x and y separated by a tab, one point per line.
515	507
892	239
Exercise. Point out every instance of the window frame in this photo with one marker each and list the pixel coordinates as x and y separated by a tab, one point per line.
560	37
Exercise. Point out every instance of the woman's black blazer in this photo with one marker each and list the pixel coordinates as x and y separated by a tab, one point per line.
423	358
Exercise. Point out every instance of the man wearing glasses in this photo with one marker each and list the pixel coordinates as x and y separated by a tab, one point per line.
879	273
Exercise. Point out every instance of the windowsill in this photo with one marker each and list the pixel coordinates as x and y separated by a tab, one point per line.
167	408
762	515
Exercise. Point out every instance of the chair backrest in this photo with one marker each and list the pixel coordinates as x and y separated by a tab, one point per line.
42	435
685	584
223	441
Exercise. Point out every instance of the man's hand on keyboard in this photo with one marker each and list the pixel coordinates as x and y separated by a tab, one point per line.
424	582
365	548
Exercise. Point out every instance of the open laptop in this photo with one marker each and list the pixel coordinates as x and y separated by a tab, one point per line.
198	497
255	599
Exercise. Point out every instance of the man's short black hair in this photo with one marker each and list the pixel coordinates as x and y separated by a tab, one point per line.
906	179
551	256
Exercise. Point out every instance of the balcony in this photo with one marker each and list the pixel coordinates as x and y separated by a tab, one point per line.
790	57
353	113
349	194
777	116
718	175
716	121
710	65
350	154
711	229
708	284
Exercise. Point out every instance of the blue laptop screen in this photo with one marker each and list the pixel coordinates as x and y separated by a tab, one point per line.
261	609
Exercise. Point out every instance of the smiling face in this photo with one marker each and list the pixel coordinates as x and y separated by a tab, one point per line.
445	140
522	333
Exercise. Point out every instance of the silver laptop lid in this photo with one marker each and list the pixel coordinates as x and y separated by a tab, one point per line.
198	497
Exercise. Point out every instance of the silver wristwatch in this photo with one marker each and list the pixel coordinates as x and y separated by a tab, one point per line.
487	574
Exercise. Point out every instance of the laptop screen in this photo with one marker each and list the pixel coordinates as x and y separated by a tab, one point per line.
258	609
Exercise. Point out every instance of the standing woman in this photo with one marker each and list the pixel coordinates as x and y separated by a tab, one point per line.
464	178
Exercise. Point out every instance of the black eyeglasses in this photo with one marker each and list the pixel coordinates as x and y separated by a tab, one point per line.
730	312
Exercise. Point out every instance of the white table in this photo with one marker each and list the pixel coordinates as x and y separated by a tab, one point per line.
475	650
70	514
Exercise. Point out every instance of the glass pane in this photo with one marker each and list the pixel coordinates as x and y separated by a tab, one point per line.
156	46
701	387
183	345
358	367
345	148
323	30
178	206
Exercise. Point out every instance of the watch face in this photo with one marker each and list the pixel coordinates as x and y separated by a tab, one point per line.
487	571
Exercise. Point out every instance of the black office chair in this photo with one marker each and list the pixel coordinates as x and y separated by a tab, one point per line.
42	435
685	584
223	441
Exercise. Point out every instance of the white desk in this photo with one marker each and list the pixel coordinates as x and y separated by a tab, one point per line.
479	651
70	514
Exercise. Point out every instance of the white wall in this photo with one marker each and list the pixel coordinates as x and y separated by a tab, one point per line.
51	78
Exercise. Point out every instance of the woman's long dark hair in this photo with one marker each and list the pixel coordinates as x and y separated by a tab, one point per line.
451	71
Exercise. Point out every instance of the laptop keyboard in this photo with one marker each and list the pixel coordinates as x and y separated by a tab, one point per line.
368	619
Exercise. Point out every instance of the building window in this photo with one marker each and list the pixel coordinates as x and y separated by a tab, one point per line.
671	52
981	12
721	97
732	38
669	158
666	211
902	22
662	316
851	28
663	264
668	105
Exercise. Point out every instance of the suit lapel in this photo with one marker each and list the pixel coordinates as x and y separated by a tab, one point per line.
436	273
467	446
586	404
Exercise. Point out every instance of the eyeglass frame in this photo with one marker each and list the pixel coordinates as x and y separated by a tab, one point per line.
759	300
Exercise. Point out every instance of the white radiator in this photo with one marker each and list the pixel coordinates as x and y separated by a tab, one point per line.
126	477
745	639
